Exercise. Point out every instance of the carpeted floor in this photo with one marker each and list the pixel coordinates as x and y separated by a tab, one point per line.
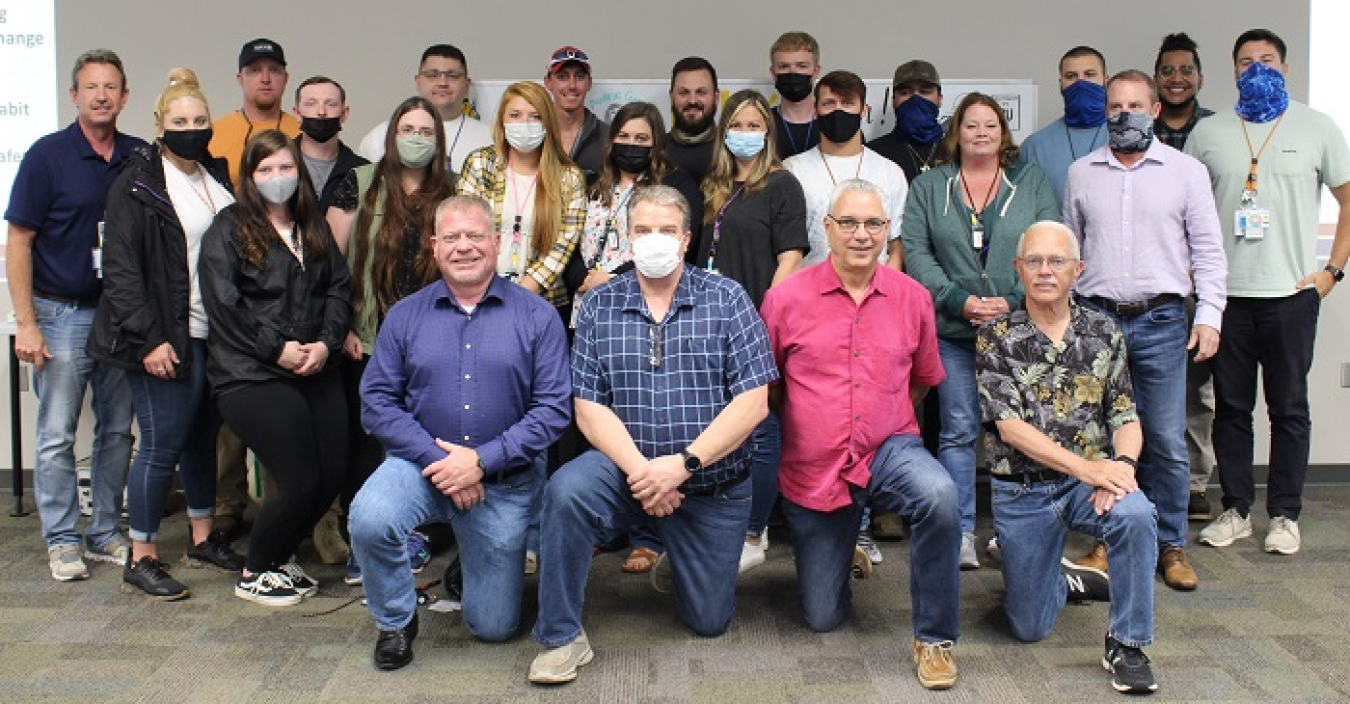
1260	628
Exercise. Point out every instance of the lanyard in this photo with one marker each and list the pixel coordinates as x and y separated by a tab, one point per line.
717	227
450	153
609	227
977	238
1249	191
1068	137
516	269
787	130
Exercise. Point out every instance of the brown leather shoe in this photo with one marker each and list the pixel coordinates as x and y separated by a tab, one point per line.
934	664
1176	569
1095	558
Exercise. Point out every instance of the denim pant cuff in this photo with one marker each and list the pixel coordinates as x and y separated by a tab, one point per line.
556	643
1144	643
200	513
142	536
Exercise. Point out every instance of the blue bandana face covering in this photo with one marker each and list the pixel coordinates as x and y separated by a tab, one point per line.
916	119
1084	104
1261	93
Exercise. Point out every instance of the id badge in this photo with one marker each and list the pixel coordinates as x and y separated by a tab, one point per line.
977	235
1251	223
98	252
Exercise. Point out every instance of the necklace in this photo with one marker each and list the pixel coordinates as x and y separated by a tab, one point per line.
856	171
925	163
204	195
517	239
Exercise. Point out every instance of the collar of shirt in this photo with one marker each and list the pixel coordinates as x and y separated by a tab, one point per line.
683	298
1156	152
494	292
828	281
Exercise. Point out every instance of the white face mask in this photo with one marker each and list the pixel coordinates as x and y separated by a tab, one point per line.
277	189
524	136
656	255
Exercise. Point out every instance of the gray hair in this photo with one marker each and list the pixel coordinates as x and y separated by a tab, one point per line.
855	185
97	56
461	204
664	196
1057	226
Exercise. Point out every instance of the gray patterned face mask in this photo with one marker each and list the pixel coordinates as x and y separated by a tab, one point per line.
1130	132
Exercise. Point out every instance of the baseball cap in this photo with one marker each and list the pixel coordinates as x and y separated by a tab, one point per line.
568	54
916	70
261	49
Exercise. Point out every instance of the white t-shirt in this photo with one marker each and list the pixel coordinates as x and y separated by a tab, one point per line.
196	199
514	257
818	177
462	135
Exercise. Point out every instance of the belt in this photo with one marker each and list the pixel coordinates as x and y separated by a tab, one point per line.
715	488
1029	478
66	300
1132	308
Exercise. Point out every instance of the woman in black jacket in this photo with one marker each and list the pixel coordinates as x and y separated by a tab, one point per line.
151	322
276	290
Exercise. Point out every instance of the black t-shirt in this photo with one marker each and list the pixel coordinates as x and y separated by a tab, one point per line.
909	156
756	228
793	137
694	159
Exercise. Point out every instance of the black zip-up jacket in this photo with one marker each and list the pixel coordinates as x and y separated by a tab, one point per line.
255	311
146	282
588	151
346	161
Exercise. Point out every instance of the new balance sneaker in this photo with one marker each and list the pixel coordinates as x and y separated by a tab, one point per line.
213	553
1086	584
1283	537
1227	528
268	589
151	576
934	664
115	551
418	554
969	559
303	583
353	576
559	665
65	563
869	546
1129	667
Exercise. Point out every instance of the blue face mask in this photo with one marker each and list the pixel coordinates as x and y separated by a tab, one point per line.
744	145
1261	93
916	120
1084	104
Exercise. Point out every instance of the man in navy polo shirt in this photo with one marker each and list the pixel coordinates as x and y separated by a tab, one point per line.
55	215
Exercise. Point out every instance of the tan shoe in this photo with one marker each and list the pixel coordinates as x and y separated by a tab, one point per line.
1095	558
1176	569
560	665
934	664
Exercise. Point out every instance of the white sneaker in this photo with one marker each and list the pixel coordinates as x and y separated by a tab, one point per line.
65	563
1228	527
993	551
1283	537
969	560
114	552
268	589
869	546
559	665
754	555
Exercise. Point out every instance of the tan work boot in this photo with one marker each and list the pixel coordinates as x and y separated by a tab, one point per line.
1095	558
1176	569
934	664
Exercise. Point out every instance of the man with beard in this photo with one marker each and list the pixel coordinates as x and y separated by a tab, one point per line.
794	62
321	105
693	98
262	76
914	143
1082	81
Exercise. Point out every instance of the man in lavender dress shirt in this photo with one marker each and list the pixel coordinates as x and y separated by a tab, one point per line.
1145	217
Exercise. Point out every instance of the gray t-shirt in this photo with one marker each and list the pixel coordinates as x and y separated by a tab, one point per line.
319	171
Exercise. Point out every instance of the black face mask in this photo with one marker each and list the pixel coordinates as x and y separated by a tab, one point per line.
839	126
794	87
320	129
631	158
188	144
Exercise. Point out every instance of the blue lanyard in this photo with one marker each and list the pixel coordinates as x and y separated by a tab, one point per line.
787	129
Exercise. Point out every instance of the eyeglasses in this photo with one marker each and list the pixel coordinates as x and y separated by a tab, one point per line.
1035	262
453	238
432	74
875	226
409	130
1187	70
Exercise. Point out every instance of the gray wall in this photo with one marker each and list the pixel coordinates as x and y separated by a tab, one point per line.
372	48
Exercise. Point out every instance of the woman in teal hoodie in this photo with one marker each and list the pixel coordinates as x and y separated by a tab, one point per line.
962	222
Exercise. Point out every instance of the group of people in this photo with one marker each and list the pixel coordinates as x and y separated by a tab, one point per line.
558	334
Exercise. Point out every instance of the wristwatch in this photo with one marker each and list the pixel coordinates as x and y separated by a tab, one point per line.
1337	273
691	461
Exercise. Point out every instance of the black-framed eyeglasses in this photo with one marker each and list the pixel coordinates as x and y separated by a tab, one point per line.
1187	70
875	226
432	74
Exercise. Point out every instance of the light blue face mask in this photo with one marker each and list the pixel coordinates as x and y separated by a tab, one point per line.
745	145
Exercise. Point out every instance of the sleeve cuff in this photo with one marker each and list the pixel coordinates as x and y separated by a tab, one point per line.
493	456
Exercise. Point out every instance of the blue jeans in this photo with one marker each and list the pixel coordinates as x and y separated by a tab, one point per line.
766	447
178	423
540	469
905	480
60	389
588	502
1156	344
959	406
1032	523
491	536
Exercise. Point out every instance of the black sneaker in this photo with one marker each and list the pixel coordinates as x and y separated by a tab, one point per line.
268	588
1198	507
213	552
453	580
1132	674
152	577
1086	584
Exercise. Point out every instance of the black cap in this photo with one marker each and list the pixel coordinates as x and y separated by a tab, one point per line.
261	49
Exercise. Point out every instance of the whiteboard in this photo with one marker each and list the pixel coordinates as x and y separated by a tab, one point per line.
27	83
1018	98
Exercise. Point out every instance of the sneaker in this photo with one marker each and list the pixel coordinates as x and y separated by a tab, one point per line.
934	664
531	562
453	579
115	551
418	554
353	576
992	550
303	583
227	527
1283	537
151	576
1086	584
662	574
1130	668
268	589
65	563
862	564
559	665
1198	508
969	560
754	554
869	546
212	553
1228	527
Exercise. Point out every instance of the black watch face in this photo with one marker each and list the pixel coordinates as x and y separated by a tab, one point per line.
692	463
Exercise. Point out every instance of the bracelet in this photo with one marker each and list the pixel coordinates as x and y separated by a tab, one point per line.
1128	460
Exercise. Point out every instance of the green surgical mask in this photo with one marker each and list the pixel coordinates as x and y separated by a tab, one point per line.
414	150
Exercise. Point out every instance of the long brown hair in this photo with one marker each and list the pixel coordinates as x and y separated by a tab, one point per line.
254	230
950	147
656	173
399	210
553	163
717	184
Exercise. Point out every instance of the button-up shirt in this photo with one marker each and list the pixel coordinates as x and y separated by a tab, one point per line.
1176	139
668	380
847	370
493	378
1148	229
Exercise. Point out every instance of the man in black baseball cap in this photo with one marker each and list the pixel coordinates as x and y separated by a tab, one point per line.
913	144
262	76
